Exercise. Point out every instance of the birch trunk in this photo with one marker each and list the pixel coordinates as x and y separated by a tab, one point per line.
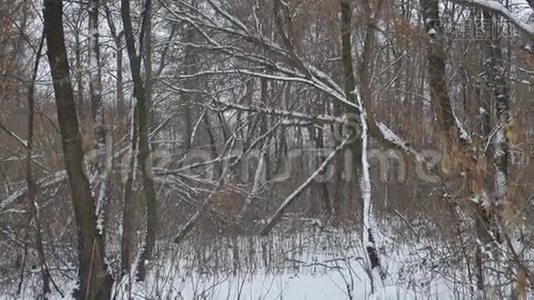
360	144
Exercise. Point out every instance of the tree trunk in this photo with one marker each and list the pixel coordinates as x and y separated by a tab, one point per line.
148	59
144	156
350	82
323	185
104	154
117	37
359	138
30	180
128	199
95	282
436	57
496	81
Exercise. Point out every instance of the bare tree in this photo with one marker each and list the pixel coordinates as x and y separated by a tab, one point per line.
142	108
95	281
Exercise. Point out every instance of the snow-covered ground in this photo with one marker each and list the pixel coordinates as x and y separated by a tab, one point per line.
304	266
312	265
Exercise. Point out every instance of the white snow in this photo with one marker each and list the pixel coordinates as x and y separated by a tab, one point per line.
516	19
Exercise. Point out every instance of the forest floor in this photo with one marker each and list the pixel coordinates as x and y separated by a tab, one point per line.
315	264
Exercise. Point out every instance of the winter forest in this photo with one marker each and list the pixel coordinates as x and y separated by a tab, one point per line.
266	149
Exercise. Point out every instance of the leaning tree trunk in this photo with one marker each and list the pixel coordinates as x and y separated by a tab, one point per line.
95	282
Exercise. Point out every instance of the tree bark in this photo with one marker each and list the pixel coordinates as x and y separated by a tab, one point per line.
117	37
104	154
354	131
436	58
496	81
128	200
94	280
359	135
350	81
144	156
30	180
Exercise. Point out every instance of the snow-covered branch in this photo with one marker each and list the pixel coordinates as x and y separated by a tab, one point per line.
14	136
498	8
271	222
47	182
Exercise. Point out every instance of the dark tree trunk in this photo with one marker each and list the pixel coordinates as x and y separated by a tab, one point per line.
117	37
144	156
436	57
128	195
327	205
128	201
103	140
30	180
496	81
350	86
95	281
